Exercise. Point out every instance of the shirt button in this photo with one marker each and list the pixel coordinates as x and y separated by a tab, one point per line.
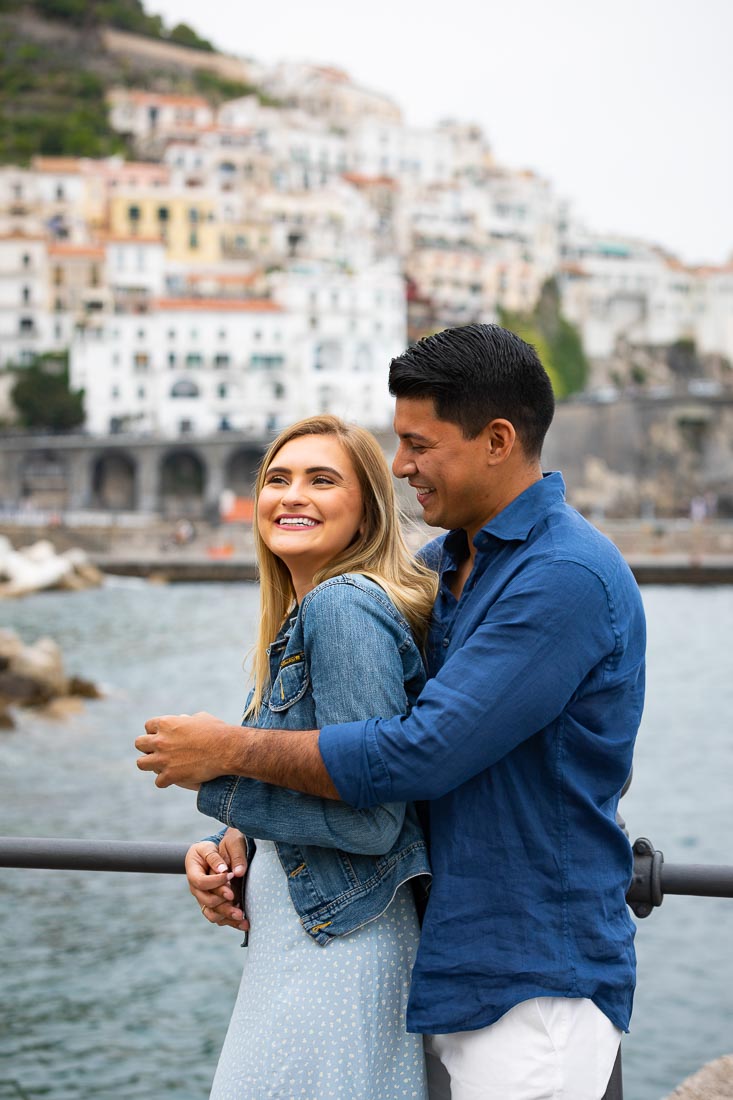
446	643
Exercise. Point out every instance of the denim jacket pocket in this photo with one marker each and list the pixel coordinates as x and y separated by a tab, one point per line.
291	683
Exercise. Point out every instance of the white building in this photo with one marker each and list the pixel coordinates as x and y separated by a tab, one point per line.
24	314
714	328
616	288
144	115
199	365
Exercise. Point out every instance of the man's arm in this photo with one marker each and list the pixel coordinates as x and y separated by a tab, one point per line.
512	677
191	749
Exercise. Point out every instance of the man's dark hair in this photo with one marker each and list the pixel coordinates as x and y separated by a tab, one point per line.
475	374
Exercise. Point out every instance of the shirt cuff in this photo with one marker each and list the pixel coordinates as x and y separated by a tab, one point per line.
349	751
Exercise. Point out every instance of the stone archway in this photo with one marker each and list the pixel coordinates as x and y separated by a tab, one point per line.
44	480
114	477
240	471
182	482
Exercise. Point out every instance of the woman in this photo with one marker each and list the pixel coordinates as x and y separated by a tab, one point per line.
333	928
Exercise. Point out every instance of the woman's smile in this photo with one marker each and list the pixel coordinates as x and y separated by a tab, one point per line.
310	507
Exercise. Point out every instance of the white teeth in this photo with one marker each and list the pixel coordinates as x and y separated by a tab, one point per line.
296	521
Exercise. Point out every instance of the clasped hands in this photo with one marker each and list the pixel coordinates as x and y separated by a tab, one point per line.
184	749
188	750
211	874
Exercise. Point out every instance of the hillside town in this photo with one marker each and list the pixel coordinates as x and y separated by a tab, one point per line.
265	258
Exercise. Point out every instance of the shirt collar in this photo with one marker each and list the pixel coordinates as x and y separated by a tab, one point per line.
513	523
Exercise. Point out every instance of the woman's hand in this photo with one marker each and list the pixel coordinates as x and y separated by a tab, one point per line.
210	873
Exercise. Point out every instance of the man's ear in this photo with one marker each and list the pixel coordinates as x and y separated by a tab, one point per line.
500	440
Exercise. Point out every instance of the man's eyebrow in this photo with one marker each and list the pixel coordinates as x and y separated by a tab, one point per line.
414	436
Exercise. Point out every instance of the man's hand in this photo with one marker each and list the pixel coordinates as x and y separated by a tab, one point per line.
210	874
187	750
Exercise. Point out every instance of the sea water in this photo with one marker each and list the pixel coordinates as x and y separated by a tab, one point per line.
113	987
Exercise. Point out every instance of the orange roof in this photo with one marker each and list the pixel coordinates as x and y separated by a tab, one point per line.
93	252
360	180
219	305
57	164
714	269
332	73
122	239
17	235
159	97
224	277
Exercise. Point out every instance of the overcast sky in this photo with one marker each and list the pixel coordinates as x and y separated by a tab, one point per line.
625	106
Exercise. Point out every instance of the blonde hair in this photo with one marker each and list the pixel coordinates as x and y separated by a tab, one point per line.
379	550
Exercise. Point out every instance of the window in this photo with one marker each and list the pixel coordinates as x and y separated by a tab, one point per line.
171	359
26	325
222	390
26	295
141	393
26	259
221	360
141	361
266	362
194	360
184	388
58	276
94	275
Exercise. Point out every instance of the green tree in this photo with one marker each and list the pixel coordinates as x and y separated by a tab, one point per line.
183	35
557	341
43	398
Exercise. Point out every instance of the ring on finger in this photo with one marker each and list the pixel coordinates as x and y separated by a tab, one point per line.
204	908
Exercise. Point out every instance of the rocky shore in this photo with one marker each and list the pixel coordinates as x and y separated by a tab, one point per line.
713	1082
39	566
34	676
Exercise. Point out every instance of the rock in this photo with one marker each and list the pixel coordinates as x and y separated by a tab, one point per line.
713	1082
42	663
24	691
10	645
33	676
39	566
63	707
83	688
7	722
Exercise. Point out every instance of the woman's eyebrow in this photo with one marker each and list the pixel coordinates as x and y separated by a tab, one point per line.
309	470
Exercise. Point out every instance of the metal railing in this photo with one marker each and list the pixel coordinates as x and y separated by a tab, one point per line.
652	878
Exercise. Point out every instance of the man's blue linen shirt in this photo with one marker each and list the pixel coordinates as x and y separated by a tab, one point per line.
521	741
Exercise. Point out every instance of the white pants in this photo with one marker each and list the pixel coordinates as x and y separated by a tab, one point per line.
549	1048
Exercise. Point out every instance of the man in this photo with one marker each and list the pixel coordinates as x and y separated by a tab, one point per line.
520	742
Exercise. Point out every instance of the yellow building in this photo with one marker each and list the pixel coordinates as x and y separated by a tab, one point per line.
184	220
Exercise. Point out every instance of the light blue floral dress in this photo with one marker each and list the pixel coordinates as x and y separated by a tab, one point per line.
320	1023
315	1020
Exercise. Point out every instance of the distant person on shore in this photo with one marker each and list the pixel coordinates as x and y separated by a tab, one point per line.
521	741
334	930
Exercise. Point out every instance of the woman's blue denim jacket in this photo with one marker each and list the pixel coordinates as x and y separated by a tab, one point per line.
348	654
